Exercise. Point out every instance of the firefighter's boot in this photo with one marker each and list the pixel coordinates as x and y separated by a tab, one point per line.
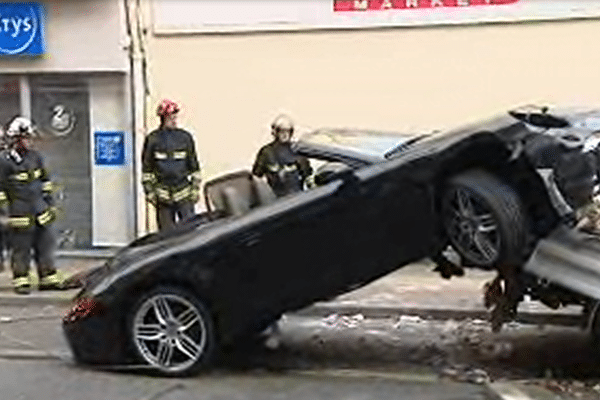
54	281
22	285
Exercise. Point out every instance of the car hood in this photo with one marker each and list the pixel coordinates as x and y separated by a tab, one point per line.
147	250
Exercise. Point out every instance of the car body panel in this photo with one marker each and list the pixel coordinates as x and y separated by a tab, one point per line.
568	258
308	246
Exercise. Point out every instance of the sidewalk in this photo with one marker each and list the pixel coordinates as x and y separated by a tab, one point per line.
414	290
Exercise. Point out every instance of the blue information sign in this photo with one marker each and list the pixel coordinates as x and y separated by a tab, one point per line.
109	148
22	29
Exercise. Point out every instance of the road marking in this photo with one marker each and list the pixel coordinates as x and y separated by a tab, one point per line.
507	391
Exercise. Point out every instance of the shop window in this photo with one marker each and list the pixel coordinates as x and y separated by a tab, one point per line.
60	109
9	99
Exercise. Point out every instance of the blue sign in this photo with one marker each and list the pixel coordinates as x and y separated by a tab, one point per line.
109	148
22	29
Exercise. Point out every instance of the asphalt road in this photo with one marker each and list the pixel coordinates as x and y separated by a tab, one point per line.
335	357
58	380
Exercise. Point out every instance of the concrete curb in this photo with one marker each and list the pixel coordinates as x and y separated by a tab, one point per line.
21	354
65	298
60	298
534	318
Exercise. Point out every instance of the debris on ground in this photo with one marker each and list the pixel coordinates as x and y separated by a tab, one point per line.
407	320
334	320
495	350
465	373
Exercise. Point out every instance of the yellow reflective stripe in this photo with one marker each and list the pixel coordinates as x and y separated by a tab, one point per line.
47	216
290	168
20	222
273	168
148	177
22	176
44	217
43	172
182	194
53	279
49	187
21	281
27	176
163	194
179	155
3	197
160	155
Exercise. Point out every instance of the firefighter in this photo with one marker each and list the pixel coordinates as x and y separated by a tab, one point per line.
170	169
28	212
285	170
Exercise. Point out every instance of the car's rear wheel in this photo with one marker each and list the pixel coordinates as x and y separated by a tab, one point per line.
484	220
172	331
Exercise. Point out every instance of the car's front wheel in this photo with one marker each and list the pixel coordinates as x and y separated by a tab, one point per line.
172	331
484	220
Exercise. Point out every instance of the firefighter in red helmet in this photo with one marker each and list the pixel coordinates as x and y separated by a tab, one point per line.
170	168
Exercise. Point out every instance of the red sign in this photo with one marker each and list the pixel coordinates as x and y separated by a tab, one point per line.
371	5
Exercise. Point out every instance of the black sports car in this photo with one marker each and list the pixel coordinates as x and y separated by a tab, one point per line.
381	200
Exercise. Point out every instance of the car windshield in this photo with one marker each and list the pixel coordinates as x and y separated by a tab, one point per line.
366	142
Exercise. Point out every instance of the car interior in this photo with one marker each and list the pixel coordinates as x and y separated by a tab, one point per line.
237	193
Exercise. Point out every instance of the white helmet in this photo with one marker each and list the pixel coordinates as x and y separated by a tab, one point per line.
282	122
20	126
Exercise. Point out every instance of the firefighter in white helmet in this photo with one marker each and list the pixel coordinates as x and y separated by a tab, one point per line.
27	204
285	170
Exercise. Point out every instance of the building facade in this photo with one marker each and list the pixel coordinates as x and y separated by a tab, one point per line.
93	77
66	65
410	65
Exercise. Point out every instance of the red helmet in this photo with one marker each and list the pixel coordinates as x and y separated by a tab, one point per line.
167	107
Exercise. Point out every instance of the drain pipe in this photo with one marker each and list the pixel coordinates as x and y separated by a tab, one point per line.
137	91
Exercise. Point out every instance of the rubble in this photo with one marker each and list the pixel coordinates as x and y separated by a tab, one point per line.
334	320
495	350
462	373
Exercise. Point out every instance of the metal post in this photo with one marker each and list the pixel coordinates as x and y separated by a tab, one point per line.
25	96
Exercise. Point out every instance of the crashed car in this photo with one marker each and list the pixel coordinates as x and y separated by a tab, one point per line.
488	191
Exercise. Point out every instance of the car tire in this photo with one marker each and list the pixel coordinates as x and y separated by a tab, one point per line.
484	220
172	331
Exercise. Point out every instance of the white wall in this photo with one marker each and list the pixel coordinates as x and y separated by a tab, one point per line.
232	86
112	186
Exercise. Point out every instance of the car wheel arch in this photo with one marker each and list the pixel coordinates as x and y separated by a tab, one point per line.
492	156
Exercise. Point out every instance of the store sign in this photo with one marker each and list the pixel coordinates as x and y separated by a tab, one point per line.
21	29
367	5
176	17
109	148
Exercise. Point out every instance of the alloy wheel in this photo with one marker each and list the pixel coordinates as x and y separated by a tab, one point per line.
170	332
471	226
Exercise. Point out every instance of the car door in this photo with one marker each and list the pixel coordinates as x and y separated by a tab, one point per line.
391	221
279	256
